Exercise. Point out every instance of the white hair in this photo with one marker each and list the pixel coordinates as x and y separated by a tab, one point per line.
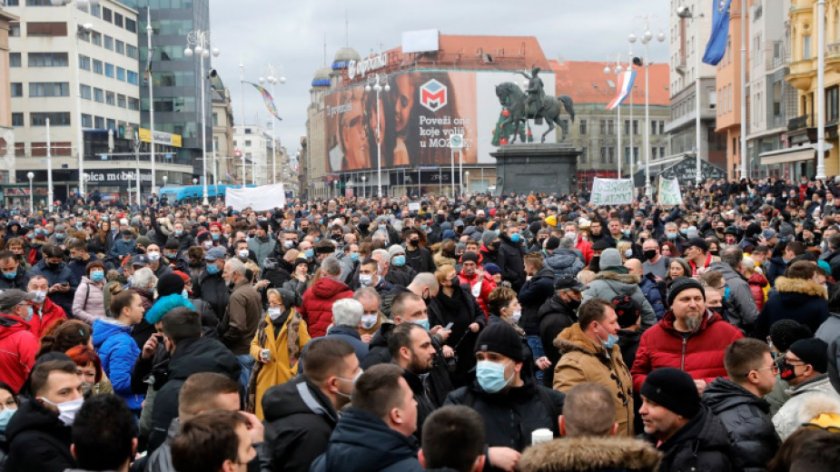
347	312
144	279
236	266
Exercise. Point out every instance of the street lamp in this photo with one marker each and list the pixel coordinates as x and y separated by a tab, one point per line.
647	37
30	176
198	42
272	79
466	182
617	69
686	13
364	178
378	83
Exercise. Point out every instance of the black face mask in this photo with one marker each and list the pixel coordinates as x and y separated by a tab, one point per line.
573	304
649	254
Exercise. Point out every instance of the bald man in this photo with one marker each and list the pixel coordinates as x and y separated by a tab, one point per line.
649	286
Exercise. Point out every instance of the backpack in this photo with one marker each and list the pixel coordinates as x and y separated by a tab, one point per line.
627	309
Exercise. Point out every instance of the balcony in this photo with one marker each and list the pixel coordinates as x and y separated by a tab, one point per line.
802	129
799	122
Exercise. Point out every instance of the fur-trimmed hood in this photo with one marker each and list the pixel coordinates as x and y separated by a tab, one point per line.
615	276
802	286
591	454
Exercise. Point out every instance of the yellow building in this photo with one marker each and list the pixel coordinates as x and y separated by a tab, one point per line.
802	131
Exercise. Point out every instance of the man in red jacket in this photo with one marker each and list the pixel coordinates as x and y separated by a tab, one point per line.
480	282
688	337
18	345
316	308
46	313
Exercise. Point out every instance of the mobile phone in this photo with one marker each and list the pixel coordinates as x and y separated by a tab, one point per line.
449	326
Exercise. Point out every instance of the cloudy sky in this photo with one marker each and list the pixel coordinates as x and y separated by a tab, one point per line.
290	36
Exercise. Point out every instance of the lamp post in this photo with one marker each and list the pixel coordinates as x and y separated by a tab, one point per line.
198	42
466	182
378	83
820	88
50	194
647	36
149	32
30	176
687	14
364	178
617	70
273	79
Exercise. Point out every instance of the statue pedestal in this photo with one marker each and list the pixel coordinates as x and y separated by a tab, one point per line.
533	167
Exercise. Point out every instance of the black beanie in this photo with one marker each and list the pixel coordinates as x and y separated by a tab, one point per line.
812	351
786	331
169	284
469	257
502	339
683	283
674	390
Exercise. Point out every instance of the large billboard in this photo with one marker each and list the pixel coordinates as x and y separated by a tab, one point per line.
415	118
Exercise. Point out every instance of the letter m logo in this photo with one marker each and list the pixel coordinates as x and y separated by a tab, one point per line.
433	95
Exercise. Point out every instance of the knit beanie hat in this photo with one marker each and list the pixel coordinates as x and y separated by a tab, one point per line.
785	332
674	390
169	283
683	283
488	237
812	351
609	258
501	338
492	268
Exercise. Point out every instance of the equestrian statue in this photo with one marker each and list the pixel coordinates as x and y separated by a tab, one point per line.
536	105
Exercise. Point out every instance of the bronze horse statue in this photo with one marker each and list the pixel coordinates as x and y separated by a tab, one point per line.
512	97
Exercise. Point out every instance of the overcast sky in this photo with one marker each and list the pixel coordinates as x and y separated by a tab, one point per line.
290	36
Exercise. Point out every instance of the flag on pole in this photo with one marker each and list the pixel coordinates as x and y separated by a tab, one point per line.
716	46
268	99
148	70
623	89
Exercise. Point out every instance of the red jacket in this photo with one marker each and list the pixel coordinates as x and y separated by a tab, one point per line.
18	347
585	248
700	355
316	308
487	285
757	283
50	314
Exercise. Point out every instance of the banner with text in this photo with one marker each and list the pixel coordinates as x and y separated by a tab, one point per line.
611	191
669	192
262	198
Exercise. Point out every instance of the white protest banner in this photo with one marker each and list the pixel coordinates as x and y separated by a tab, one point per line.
414	206
669	192
611	191
262	198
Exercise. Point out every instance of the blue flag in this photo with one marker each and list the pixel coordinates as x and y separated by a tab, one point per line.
716	46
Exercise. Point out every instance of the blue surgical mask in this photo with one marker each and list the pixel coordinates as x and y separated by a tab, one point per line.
5	416
671	235
354	256
491	376
212	269
185	294
215	236
423	323
398	261
611	341
97	276
515	238
10	275
309	253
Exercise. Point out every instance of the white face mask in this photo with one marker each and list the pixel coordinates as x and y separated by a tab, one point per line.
516	316
67	410
369	320
243	254
365	280
153	256
40	296
274	313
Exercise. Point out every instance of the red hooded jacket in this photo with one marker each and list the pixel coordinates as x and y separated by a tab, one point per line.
487	286
700	354
316	307
18	347
50	314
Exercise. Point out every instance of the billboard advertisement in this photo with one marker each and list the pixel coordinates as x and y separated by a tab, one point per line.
415	119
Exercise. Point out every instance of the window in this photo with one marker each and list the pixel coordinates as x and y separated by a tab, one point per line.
17	89
131	25
635	127
39	3
603	155
131	51
120	74
17	119
806	46
582	127
831	96
247	142
653	127
662	127
84	62
121	102
108	42
14	29
119	46
96	38
110	98
133	103
109	70
626	126
97	66
12	3
106	14
98	95
49	89
118	19
132	77
95	9
215	119
14	59
47	59
87	121
85	92
111	124
583	155
98	122
611	155
57	118
662	151
46	28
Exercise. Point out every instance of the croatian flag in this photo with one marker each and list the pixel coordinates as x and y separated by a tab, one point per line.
624	88
716	47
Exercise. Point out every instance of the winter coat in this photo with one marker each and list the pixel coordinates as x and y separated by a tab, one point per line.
191	356
607	285
797	299
652	294
38	441
316	308
584	360
585	248
20	281
237	328
121	248
830	329
262	249
702	445
591	454
510	416
420	260
481	284
461	310
743	312
776	267
400	275
59	275
45	317
88	302
214	290
283	360
299	420
352	337
18	347
118	353
757	284
511	262
564	262
700	354
361	442
751	433
790	415
554	316
78	267
532	295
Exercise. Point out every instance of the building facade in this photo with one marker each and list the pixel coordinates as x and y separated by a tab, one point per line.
7	134
224	163
728	90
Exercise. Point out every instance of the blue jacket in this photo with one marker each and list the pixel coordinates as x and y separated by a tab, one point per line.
362	442
121	247
351	336
118	353
653	295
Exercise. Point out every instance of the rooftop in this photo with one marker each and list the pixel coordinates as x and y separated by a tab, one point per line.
586	82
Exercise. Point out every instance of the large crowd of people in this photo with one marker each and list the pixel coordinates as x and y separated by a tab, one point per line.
482	333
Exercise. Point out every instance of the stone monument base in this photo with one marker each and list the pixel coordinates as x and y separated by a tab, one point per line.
538	168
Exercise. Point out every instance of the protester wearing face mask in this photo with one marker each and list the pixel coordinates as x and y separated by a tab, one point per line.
511	257
39	433
60	277
88	302
45	313
506	396
399	273
13	273
18	345
210	286
369	277
276	346
556	314
156	262
8	407
590	353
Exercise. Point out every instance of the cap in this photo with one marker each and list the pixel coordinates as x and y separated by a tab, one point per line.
469	257
812	351
699	243
13	296
567	282
395	249
674	390
683	283
139	260
492	268
502	339
214	254
768	233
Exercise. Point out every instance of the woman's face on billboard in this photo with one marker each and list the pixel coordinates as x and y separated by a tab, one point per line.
404	101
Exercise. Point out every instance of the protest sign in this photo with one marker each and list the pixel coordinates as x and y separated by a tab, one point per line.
669	192
611	191
262	198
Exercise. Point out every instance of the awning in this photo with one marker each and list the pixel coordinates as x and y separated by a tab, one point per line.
794	154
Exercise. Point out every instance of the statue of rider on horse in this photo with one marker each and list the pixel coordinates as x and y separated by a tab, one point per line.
536	105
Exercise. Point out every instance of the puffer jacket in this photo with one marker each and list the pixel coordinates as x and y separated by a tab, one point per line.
214	290
584	360
591	454
652	294
817	391
757	284
316	308
532	295
481	284
801	300
511	262
608	285
700	354
743	312
38	440
18	347
88	303
564	262
701	445
45	317
554	316
118	353
746	418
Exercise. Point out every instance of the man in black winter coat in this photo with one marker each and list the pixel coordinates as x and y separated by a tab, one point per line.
511	257
689	435
538	287
738	403
556	314
211	286
300	415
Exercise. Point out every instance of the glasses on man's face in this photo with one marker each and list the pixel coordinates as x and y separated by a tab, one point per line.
773	368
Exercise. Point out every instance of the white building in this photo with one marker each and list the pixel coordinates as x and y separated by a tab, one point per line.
253	146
